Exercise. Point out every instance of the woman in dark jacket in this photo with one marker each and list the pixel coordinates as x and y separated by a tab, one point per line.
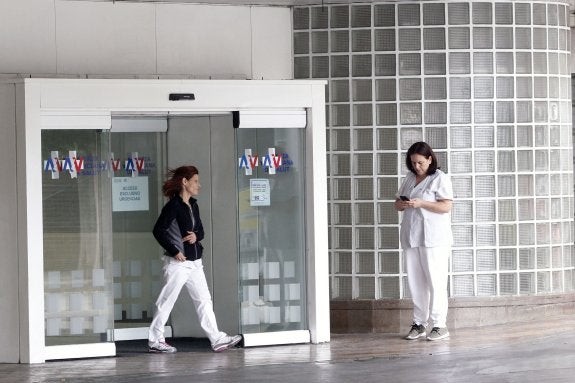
179	231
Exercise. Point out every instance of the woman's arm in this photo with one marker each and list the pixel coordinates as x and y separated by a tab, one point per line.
440	206
401	205
443	196
199	228
161	230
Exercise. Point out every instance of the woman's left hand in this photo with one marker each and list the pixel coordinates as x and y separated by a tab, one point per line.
190	238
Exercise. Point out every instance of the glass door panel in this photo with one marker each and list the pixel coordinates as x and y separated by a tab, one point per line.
271	223
77	239
138	169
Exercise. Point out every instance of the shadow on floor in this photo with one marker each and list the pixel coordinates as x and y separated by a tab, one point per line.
127	347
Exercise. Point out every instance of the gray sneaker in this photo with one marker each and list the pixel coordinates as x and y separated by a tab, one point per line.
438	333
417	331
226	342
162	347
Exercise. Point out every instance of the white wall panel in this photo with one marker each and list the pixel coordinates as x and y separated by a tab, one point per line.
9	331
125	39
105	38
272	43
27	41
204	40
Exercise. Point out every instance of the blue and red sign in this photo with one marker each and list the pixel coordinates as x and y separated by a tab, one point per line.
270	162
91	165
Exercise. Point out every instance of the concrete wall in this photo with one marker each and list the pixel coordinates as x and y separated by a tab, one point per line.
395	316
106	39
9	330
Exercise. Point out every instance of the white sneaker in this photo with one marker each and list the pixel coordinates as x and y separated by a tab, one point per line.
417	331
161	346
438	333
226	342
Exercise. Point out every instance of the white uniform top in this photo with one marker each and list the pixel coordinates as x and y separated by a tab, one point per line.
422	227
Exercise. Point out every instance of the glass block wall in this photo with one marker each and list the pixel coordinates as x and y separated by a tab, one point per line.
487	84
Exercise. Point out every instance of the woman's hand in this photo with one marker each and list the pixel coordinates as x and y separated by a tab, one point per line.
441	206
180	257
401	205
190	238
412	203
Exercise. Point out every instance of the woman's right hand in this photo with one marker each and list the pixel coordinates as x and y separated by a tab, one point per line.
180	257
401	205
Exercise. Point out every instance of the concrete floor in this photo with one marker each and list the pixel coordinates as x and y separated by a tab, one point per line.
531	352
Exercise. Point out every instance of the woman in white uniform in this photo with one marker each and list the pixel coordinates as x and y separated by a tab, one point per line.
425	198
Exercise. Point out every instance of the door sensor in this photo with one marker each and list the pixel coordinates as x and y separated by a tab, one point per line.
182	96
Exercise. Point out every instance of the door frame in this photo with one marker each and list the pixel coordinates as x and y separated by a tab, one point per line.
89	104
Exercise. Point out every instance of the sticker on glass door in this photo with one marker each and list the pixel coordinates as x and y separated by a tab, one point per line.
259	192
270	162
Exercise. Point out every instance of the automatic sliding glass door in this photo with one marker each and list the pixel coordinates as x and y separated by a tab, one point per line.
101	196
102	267
137	151
271	195
77	237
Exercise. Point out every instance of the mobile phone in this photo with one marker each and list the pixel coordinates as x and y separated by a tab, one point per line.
403	198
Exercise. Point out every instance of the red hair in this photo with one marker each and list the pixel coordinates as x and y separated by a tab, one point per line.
173	185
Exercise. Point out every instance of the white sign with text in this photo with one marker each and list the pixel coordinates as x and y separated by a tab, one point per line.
259	192
130	194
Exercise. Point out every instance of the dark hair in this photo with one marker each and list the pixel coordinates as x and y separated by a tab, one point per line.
425	150
173	185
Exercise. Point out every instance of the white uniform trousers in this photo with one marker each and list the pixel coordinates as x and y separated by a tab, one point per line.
176	276
427	273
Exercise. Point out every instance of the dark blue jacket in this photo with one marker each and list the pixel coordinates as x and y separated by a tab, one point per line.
174	222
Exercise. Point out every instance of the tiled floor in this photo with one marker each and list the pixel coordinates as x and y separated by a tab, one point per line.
531	352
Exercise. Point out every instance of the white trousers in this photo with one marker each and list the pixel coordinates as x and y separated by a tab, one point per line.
427	273
176	276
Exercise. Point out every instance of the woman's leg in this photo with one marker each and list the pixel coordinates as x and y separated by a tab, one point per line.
436	267
418	286
175	277
197	287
